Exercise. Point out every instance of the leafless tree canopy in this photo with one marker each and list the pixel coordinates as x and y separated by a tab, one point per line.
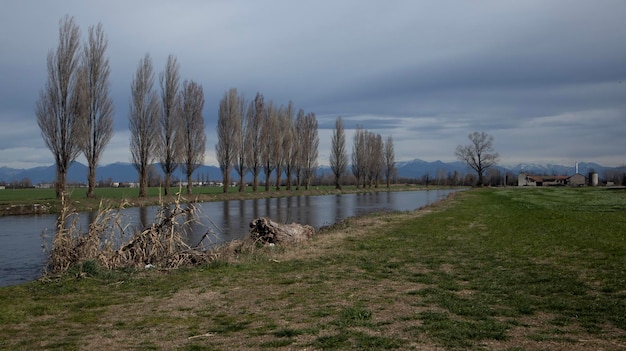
371	158
255	115
143	121
58	105
169	142
240	139
289	145
359	155
478	154
269	128
228	126
338	154
309	142
194	137
255	136
389	160
96	113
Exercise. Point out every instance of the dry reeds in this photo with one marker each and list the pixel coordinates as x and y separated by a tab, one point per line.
107	242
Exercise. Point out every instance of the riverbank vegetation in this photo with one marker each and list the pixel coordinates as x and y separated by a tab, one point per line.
491	269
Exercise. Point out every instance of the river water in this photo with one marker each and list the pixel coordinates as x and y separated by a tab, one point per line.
23	238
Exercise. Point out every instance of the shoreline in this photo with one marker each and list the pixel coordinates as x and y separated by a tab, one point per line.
53	206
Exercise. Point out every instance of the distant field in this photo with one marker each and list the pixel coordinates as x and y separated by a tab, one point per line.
111	193
12	195
492	269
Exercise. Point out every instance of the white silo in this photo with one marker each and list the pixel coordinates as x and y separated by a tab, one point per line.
593	178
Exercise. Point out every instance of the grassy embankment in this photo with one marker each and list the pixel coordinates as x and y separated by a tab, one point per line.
493	269
25	198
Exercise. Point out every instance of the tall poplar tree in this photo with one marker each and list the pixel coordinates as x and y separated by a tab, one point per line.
143	121
338	154
58	106
169	141
192	129
96	113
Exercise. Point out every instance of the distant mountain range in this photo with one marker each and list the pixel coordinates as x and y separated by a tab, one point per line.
416	169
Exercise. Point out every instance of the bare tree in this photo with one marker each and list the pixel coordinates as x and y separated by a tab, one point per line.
269	129
58	106
299	148
310	145
359	155
389	160
96	114
478	154
169	139
228	122
290	149
338	154
192	129
143	121
282	142
240	138
374	158
255	116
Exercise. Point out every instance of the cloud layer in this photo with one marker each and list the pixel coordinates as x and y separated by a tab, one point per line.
546	79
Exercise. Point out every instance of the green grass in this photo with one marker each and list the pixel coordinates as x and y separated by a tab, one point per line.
493	269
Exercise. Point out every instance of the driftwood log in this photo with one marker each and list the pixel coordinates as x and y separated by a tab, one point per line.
267	231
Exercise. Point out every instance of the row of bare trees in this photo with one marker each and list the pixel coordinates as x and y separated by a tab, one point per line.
74	110
169	129
372	158
257	137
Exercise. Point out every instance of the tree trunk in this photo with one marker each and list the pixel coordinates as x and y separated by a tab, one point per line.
266	231
267	180
289	171
278	176
255	181
60	183
166	185
91	178
189	183
242	181
143	182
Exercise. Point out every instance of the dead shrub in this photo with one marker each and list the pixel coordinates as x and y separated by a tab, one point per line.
107	241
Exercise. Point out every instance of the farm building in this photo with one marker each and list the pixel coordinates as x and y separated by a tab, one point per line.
555	180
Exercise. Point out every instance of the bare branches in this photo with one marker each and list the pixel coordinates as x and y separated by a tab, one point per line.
309	141
338	153
267	139
168	149
478	154
228	128
255	116
143	119
96	113
58	105
370	157
192	129
108	242
389	160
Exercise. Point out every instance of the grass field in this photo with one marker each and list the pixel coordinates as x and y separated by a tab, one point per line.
25	195
491	269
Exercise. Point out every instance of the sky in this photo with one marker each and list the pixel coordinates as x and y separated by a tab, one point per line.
547	79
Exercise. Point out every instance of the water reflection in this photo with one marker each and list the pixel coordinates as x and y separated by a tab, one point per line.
21	257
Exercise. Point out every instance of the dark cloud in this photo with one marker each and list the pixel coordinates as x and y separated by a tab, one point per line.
542	77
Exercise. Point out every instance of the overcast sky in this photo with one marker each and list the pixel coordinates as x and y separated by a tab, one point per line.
546	78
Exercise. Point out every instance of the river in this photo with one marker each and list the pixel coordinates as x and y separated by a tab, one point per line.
23	238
